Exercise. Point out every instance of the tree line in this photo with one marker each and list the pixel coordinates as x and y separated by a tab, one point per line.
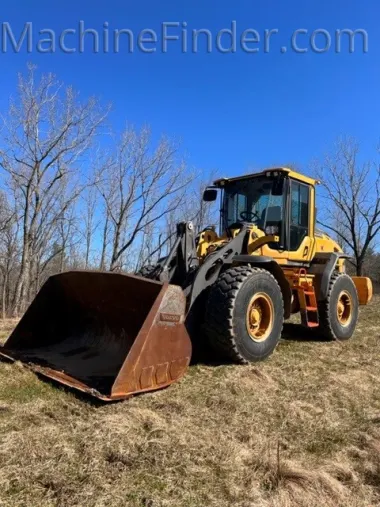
73	195
65	203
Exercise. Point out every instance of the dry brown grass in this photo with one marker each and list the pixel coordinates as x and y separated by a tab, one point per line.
301	429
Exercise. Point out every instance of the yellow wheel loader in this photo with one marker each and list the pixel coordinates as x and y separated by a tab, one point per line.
114	335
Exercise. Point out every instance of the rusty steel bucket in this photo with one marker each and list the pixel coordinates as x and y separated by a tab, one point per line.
107	334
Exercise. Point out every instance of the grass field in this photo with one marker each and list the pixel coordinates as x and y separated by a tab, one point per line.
301	429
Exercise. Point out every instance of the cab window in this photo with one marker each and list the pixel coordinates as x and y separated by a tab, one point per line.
299	214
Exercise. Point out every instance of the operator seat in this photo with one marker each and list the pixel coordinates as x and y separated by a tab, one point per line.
273	217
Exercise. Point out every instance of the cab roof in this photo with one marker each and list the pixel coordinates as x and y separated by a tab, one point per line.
285	170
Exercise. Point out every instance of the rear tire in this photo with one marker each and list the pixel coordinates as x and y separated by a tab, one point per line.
244	314
338	313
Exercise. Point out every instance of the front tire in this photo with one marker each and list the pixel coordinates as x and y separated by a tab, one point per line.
244	314
338	313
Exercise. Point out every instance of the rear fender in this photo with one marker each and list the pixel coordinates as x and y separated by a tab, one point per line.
330	261
364	289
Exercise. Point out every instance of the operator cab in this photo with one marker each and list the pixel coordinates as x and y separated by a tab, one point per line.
277	201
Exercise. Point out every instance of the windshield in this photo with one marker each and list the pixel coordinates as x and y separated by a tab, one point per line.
251	200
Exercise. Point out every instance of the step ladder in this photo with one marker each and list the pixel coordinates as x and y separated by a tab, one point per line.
308	303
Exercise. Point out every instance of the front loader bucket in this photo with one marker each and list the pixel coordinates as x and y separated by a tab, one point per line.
107	334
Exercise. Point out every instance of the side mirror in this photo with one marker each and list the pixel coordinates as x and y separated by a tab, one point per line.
210	194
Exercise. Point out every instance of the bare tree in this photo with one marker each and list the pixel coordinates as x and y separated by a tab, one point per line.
202	213
105	237
46	132
140	185
351	199
54	216
159	237
155	242
90	221
9	251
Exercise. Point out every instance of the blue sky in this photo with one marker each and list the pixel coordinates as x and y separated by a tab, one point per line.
231	111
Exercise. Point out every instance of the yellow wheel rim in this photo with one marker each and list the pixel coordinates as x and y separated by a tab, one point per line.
344	308
260	315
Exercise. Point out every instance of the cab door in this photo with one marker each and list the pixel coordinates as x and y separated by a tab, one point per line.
301	222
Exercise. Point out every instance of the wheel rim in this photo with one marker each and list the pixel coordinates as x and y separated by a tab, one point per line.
344	308
259	318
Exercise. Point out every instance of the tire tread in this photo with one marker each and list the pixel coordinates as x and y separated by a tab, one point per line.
220	308
325	324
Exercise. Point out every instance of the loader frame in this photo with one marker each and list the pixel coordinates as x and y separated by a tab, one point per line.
182	266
